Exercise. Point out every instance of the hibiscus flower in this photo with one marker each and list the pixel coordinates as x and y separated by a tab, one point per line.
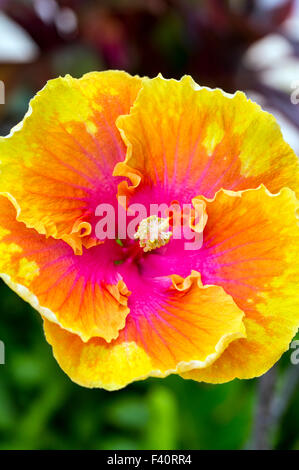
120	308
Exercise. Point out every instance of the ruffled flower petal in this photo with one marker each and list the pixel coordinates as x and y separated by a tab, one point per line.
187	325
251	249
56	166
189	140
79	293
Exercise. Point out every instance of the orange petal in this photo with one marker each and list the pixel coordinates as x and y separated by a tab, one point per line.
56	166
189	325
251	249
69	290
194	140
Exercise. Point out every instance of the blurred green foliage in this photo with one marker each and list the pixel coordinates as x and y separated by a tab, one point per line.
40	408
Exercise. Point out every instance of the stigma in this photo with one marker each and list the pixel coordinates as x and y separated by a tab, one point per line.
152	233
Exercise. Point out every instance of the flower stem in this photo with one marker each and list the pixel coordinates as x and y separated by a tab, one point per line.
261	436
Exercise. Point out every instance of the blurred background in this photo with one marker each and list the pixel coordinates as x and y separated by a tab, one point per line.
251	45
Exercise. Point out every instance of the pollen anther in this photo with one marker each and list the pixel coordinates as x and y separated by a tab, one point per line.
152	233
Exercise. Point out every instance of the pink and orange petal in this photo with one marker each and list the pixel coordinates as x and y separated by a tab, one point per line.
57	164
76	292
189	140
251	249
182	326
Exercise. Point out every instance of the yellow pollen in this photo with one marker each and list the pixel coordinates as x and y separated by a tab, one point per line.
152	233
